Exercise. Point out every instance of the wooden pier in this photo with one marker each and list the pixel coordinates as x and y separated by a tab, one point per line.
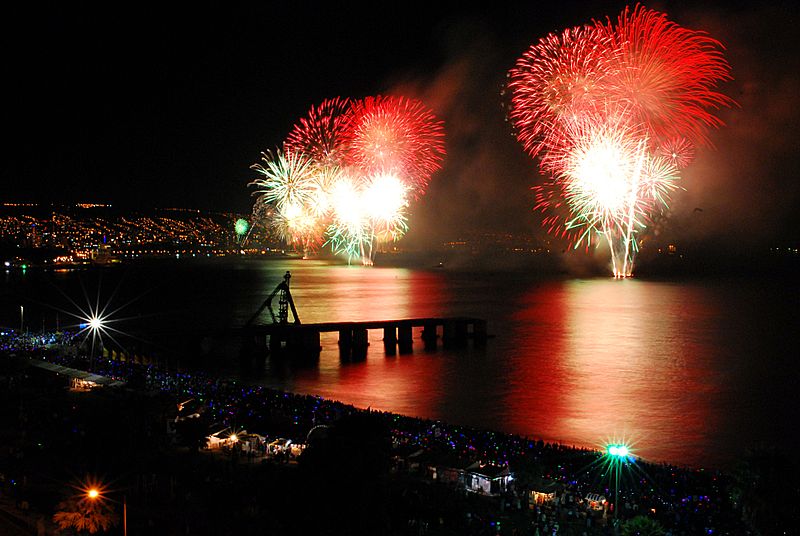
303	340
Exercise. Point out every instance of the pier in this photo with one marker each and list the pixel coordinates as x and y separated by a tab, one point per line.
303	340
297	340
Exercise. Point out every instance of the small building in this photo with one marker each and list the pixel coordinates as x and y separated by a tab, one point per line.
223	438
446	468
487	479
544	492
595	501
279	446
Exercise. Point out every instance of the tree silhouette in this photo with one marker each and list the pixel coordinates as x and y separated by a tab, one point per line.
85	515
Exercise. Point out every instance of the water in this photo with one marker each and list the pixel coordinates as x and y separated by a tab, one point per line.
690	372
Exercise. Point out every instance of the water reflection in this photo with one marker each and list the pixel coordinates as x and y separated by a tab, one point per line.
380	381
691	372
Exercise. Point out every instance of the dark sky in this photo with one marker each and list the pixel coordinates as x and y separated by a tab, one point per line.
139	104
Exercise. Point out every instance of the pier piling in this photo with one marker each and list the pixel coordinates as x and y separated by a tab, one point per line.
303	340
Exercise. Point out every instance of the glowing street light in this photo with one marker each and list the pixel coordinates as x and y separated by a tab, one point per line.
96	323
93	493
95	326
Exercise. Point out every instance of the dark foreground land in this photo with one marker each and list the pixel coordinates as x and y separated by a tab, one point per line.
360	471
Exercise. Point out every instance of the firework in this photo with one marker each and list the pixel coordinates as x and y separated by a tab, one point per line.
366	212
666	74
288	179
605	183
292	184
612	111
385	200
295	224
319	135
347	172
558	78
612	184
679	151
395	135
350	232
241	227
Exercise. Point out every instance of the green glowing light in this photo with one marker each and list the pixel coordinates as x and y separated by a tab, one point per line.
241	226
620	451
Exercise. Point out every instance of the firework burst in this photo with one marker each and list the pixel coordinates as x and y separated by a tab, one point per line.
292	184
395	135
666	74
347	173
560	76
613	111
319	135
288	180
350	232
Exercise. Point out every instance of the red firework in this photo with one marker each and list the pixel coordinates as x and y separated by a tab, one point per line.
556	79
319	135
666	74
679	151
386	134
641	90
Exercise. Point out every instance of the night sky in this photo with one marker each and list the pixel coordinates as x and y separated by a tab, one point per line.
140	104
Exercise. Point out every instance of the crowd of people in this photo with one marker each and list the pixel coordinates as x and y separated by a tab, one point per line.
684	500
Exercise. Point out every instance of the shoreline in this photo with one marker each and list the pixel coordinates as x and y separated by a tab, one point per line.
121	371
574	471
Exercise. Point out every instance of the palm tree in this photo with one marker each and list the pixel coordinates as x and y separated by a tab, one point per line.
85	515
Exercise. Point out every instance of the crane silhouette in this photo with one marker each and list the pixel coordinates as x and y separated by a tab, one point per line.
285	302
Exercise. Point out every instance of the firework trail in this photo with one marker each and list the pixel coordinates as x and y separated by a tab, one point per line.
350	232
366	213
613	111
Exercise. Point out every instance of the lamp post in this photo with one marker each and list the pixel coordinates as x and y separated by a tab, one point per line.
95	326
617	454
21	318
93	494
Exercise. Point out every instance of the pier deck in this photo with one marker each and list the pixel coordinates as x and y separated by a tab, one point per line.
304	339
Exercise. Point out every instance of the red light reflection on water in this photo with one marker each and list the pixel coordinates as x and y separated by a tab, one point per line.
597	362
399	383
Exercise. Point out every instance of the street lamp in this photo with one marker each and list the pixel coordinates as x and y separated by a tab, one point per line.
94	494
95	326
617	454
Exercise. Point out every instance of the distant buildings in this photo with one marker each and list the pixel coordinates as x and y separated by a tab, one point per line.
87	232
